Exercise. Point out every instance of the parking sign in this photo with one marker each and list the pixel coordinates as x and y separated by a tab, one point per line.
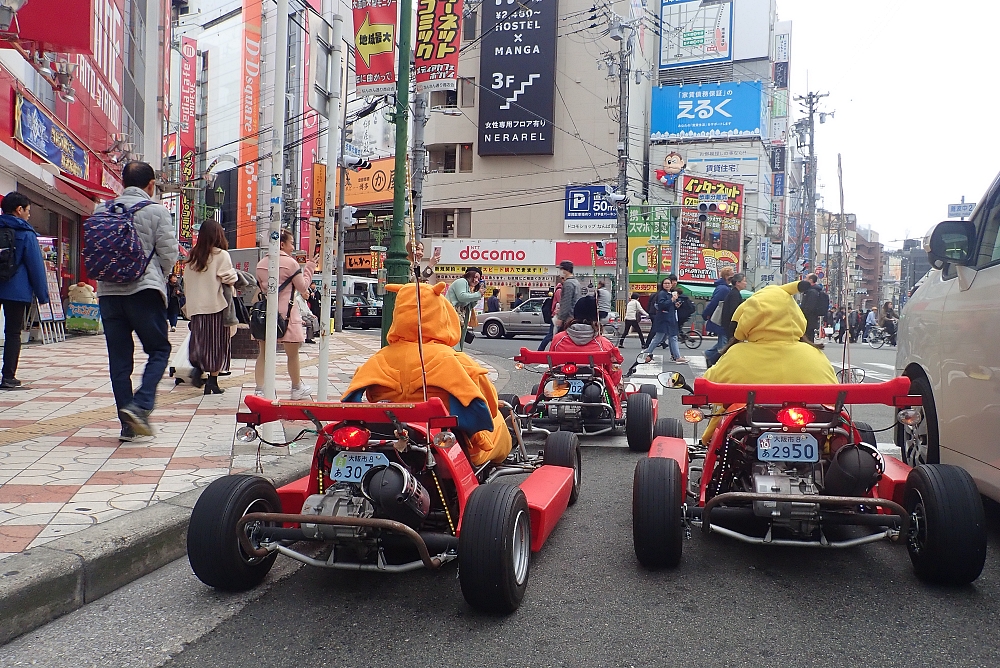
588	211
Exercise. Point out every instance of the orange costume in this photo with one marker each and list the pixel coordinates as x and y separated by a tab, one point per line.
394	373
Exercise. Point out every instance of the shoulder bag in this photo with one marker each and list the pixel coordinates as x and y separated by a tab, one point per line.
258	313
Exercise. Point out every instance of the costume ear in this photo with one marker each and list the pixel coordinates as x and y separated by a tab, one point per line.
393	287
440	288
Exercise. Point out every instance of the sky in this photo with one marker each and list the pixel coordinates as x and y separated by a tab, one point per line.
913	87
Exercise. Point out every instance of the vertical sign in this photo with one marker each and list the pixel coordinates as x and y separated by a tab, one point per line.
517	65
310	143
438	35
189	52
375	46
711	228
318	190
246	222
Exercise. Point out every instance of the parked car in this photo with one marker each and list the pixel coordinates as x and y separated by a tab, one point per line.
526	318
948	348
359	312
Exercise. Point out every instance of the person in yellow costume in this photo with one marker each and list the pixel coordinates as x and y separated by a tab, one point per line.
394	373
767	348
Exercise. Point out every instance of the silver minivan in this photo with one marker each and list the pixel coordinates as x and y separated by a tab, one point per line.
949	346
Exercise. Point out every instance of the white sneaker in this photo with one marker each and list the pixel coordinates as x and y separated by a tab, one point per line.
301	392
258	391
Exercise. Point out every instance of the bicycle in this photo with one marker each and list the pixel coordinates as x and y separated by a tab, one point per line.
691	338
877	337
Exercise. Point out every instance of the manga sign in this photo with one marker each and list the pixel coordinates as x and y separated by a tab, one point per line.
711	228
436	52
375	46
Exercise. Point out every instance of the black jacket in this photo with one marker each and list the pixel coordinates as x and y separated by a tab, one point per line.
733	300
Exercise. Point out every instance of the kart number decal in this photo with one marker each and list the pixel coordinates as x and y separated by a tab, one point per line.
576	387
775	447
352	466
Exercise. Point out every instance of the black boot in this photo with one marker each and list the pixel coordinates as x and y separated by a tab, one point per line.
212	386
196	379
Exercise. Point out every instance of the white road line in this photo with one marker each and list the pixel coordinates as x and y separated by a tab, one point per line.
890	367
697	362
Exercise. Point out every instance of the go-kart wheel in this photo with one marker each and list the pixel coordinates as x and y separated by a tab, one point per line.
652	390
494	548
212	545
668	427
866	431
534	389
513	400
947	538
657	530
919	444
562	448
493	330
639	420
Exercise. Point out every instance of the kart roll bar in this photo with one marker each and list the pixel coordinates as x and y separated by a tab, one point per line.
562	357
263	410
890	393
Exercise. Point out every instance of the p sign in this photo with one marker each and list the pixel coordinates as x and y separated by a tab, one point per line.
589	212
578	200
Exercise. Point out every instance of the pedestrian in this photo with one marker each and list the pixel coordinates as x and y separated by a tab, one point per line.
139	307
571	293
424	270
291	278
718	297
22	279
550	307
853	324
814	306
888	320
174	296
493	303
870	321
737	283
664	310
603	301
839	324
633	312
209	267
464	293
518	300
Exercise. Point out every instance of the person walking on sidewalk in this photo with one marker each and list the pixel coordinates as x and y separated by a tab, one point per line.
733	300
139	307
718	297
571	294
22	278
293	278
664	309
603	301
814	306
209	267
633	312
174	296
549	309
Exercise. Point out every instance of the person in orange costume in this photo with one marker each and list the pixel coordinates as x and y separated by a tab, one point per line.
394	372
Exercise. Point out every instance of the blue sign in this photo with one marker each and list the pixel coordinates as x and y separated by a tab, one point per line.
588	211
34	128
963	210
731	109
779	184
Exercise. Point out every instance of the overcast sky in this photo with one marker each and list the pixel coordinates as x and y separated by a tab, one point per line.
914	88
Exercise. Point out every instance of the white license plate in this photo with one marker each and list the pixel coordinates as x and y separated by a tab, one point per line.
781	447
352	466
576	387
372	311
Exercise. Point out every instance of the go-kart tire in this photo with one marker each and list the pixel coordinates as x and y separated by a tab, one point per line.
671	427
639	419
652	390
562	448
947	540
534	389
657	529
511	399
494	548
213	549
866	431
493	330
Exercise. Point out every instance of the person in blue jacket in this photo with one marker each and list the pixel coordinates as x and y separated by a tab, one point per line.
26	271
718	297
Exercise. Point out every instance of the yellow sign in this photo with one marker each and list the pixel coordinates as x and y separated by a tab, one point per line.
460	269
319	190
358	261
370	186
373	39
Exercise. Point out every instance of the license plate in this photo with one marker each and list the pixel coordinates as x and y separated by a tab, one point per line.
576	387
779	447
352	466
372	311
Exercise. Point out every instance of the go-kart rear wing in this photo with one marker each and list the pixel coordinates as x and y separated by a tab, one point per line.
431	412
890	393
555	359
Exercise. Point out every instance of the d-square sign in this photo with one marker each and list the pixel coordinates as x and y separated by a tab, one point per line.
588	212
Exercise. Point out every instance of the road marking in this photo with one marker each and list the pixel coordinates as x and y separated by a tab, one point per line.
890	367
697	362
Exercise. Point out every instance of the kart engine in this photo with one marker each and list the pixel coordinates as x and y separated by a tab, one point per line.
787	478
339	501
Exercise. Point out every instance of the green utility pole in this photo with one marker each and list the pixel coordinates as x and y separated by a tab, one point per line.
396	264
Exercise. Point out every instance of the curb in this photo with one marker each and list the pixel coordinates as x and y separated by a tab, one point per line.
47	582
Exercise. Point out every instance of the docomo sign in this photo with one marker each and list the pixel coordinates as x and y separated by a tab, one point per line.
494	255
469	252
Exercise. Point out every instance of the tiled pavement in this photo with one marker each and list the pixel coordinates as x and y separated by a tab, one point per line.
62	468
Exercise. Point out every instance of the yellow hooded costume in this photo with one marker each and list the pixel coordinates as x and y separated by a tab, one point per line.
393	373
769	326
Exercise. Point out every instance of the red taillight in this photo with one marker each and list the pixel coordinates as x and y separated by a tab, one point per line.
569	369
351	436
795	416
357	312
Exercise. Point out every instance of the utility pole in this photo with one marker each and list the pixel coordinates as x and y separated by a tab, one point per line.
420	103
842	234
340	170
618	33
810	102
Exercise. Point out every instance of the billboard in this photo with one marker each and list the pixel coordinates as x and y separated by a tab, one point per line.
695	33
649	243
588	212
711	233
730	109
585	254
47	139
435	57
369	186
375	46
310	143
477	252
246	223
517	64
186	111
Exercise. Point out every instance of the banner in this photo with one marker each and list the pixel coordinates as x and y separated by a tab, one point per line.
310	144
246	211
730	109
34	128
375	46
439	33
189	88
711	228
318	190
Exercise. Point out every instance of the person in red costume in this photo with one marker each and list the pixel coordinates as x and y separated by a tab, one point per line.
584	335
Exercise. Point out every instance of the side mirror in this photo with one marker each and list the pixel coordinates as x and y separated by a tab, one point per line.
950	242
673	380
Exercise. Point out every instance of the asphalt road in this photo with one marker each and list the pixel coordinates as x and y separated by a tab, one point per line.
588	604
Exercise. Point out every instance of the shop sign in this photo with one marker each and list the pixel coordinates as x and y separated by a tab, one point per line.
358	261
310	141
246	223
189	52
649	242
709	240
34	128
515	270
375	46
588	211
587	253
318	190
435	56
370	186
468	252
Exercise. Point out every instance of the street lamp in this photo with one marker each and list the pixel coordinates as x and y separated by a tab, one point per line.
370	219
7	10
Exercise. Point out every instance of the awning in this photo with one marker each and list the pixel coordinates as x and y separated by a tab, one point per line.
88	188
705	291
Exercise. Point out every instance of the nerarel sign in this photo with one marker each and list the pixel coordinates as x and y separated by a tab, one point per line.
472	252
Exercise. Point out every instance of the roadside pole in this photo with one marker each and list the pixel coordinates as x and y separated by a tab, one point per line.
420	103
341	219
333	134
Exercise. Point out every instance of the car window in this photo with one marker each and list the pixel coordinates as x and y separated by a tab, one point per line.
989	245
533	306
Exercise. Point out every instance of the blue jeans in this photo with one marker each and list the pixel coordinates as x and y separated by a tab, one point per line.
712	354
145	314
548	337
658	338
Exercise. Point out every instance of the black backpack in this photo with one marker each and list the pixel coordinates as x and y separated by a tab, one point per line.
8	253
822	303
547	311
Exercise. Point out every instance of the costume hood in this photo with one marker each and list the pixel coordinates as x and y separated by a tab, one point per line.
581	333
439	319
771	314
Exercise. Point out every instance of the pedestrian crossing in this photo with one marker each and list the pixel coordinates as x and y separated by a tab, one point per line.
886	371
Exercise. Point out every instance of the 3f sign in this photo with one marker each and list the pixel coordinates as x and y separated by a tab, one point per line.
498	80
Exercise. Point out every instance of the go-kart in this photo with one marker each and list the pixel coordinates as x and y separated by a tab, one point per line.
390	489
788	466
577	394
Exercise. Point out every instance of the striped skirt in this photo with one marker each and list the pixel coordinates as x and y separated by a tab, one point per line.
209	347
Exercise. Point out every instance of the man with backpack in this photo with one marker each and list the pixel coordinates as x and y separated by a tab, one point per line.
22	278
130	248
815	304
718	299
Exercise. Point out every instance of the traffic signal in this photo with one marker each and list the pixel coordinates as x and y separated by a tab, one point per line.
355	163
705	208
599	247
348	214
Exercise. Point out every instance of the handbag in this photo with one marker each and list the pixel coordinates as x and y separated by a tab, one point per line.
716	318
258	313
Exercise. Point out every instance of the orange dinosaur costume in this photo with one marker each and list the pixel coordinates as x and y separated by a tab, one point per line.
393	373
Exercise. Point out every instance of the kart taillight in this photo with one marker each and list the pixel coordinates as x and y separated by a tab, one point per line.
569	369
351	436
795	416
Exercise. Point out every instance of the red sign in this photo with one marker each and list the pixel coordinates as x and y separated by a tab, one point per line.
246	224
189	88
375	46
711	228
584	254
439	24
310	146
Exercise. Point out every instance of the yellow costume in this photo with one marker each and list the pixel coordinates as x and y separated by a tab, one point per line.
770	325
393	373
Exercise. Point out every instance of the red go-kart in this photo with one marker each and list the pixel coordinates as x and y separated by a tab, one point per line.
788	466
576	394
390	489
